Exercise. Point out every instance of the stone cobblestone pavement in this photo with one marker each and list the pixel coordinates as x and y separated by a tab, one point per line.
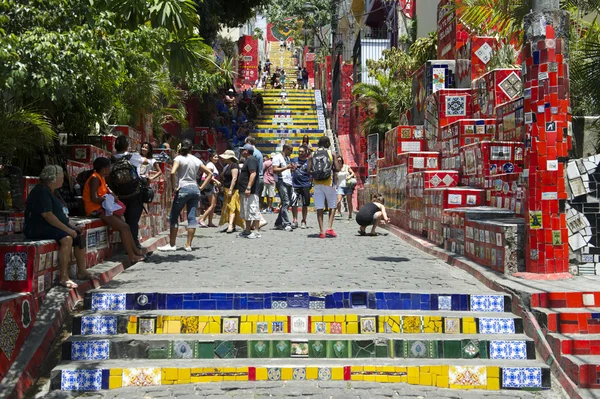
290	261
296	260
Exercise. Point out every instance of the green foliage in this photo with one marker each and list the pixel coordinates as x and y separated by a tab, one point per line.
303	17
424	49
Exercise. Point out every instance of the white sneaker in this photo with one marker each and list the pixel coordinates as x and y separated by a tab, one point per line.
244	234
303	225
167	248
188	249
252	236
288	228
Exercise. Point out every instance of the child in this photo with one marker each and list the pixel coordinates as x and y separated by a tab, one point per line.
373	214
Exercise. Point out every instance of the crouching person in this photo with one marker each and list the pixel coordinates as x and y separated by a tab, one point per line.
372	214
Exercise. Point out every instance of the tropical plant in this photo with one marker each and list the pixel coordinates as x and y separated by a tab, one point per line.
424	49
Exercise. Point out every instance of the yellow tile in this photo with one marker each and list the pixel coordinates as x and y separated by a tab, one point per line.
215	319
425	379
169	374
204	319
163	382
413	372
344	331
369	378
285	326
181	382
394	378
196	370
400	369
214	327
327	328
340	318
493	372
370	368
184	374
424	369
444	371
241	370
312	373
190	325
253	317
241	378
159	322
246	328
432	324
389	369
131	328
329	318
352	327
118	372
159	330
357	378
262	374
433	379
441	381
203	327
173	327
217	378
243	318
115	381
261	317
282	318
337	373
356	369
411	324
286	373
381	378
493	384
351	317
229	378
270	318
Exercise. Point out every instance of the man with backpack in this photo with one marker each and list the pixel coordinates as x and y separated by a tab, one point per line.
321	166
304	79
125	182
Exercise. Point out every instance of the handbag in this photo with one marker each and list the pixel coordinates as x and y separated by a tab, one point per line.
351	182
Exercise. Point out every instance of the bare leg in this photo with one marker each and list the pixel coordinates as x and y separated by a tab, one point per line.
304	213
82	272
320	220
64	254
331	219
295	214
378	217
118	224
208	214
339	204
270	203
231	221
349	201
255	225
190	237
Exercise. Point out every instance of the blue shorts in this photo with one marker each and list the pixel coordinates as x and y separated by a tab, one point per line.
344	190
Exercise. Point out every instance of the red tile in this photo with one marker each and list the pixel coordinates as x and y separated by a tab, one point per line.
251	373
574	300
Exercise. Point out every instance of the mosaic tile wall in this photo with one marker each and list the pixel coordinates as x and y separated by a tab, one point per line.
17	316
283	300
316	324
456	377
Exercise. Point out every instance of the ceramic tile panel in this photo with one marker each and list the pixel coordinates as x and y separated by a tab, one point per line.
141	377
467	375
496	325
324	373
508	350
9	333
274	374
299	324
90	350
104	301
98	325
521	377
487	303
444	302
81	380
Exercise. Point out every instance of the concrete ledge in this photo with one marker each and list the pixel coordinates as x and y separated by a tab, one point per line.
59	302
520	294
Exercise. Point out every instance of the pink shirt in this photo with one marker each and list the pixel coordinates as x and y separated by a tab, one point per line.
268	177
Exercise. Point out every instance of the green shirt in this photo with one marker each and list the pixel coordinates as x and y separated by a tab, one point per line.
41	200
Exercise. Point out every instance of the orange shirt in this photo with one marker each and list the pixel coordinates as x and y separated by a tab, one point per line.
91	206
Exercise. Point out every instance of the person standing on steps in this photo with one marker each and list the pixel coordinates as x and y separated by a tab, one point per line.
248	184
282	168
299	79
346	181
211	191
269	182
372	214
187	193
230	211
260	159
302	184
322	166
304	79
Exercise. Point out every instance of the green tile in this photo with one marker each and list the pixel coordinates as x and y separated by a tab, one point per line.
363	349
338	349
398	348
230	349
206	350
259	349
158	353
420	349
470	348
281	349
483	350
182	349
452	349
381	350
317	349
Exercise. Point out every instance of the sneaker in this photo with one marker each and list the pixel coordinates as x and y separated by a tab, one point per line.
322	235
188	249
288	228
244	234
252	236
278	227
303	225
294	225
167	247
269	210
338	216
330	233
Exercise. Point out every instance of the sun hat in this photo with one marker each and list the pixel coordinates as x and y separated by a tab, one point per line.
229	154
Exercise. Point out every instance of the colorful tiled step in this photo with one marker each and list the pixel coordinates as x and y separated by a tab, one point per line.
569	320
222	347
565	299
583	370
109	374
99	300
189	323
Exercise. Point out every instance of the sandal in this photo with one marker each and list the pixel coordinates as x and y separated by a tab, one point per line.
68	284
203	225
212	225
87	276
362	233
229	231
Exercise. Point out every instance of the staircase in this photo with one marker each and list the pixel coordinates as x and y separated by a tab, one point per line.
457	341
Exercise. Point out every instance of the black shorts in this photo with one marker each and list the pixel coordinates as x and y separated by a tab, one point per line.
57	235
301	197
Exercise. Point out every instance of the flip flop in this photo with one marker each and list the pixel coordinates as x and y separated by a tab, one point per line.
373	234
203	225
362	233
68	284
147	255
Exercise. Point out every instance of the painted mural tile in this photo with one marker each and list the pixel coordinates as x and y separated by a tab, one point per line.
98	325
146	325
508	350
456	106
90	350
467	375
299	324
521	377
182	350
9	333
451	325
81	380
274	374
105	301
141	377
299	374
444	302
15	268
412	324
324	373
495	325
487	303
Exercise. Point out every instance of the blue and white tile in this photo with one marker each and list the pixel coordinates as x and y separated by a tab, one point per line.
508	350
279	305
496	325
104	301
444	302
90	350
487	303
316	305
81	380
99	325
521	377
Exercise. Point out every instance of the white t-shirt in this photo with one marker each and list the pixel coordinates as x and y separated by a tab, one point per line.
187	171
213	169
341	176
145	169
136	159
279	161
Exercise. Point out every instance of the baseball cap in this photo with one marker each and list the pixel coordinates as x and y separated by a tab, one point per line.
248	147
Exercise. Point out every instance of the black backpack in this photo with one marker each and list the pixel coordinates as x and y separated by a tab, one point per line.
305	74
124	179
321	165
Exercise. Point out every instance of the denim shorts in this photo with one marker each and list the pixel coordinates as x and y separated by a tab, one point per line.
188	197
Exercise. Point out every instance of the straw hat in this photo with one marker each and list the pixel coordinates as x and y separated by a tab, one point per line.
229	154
